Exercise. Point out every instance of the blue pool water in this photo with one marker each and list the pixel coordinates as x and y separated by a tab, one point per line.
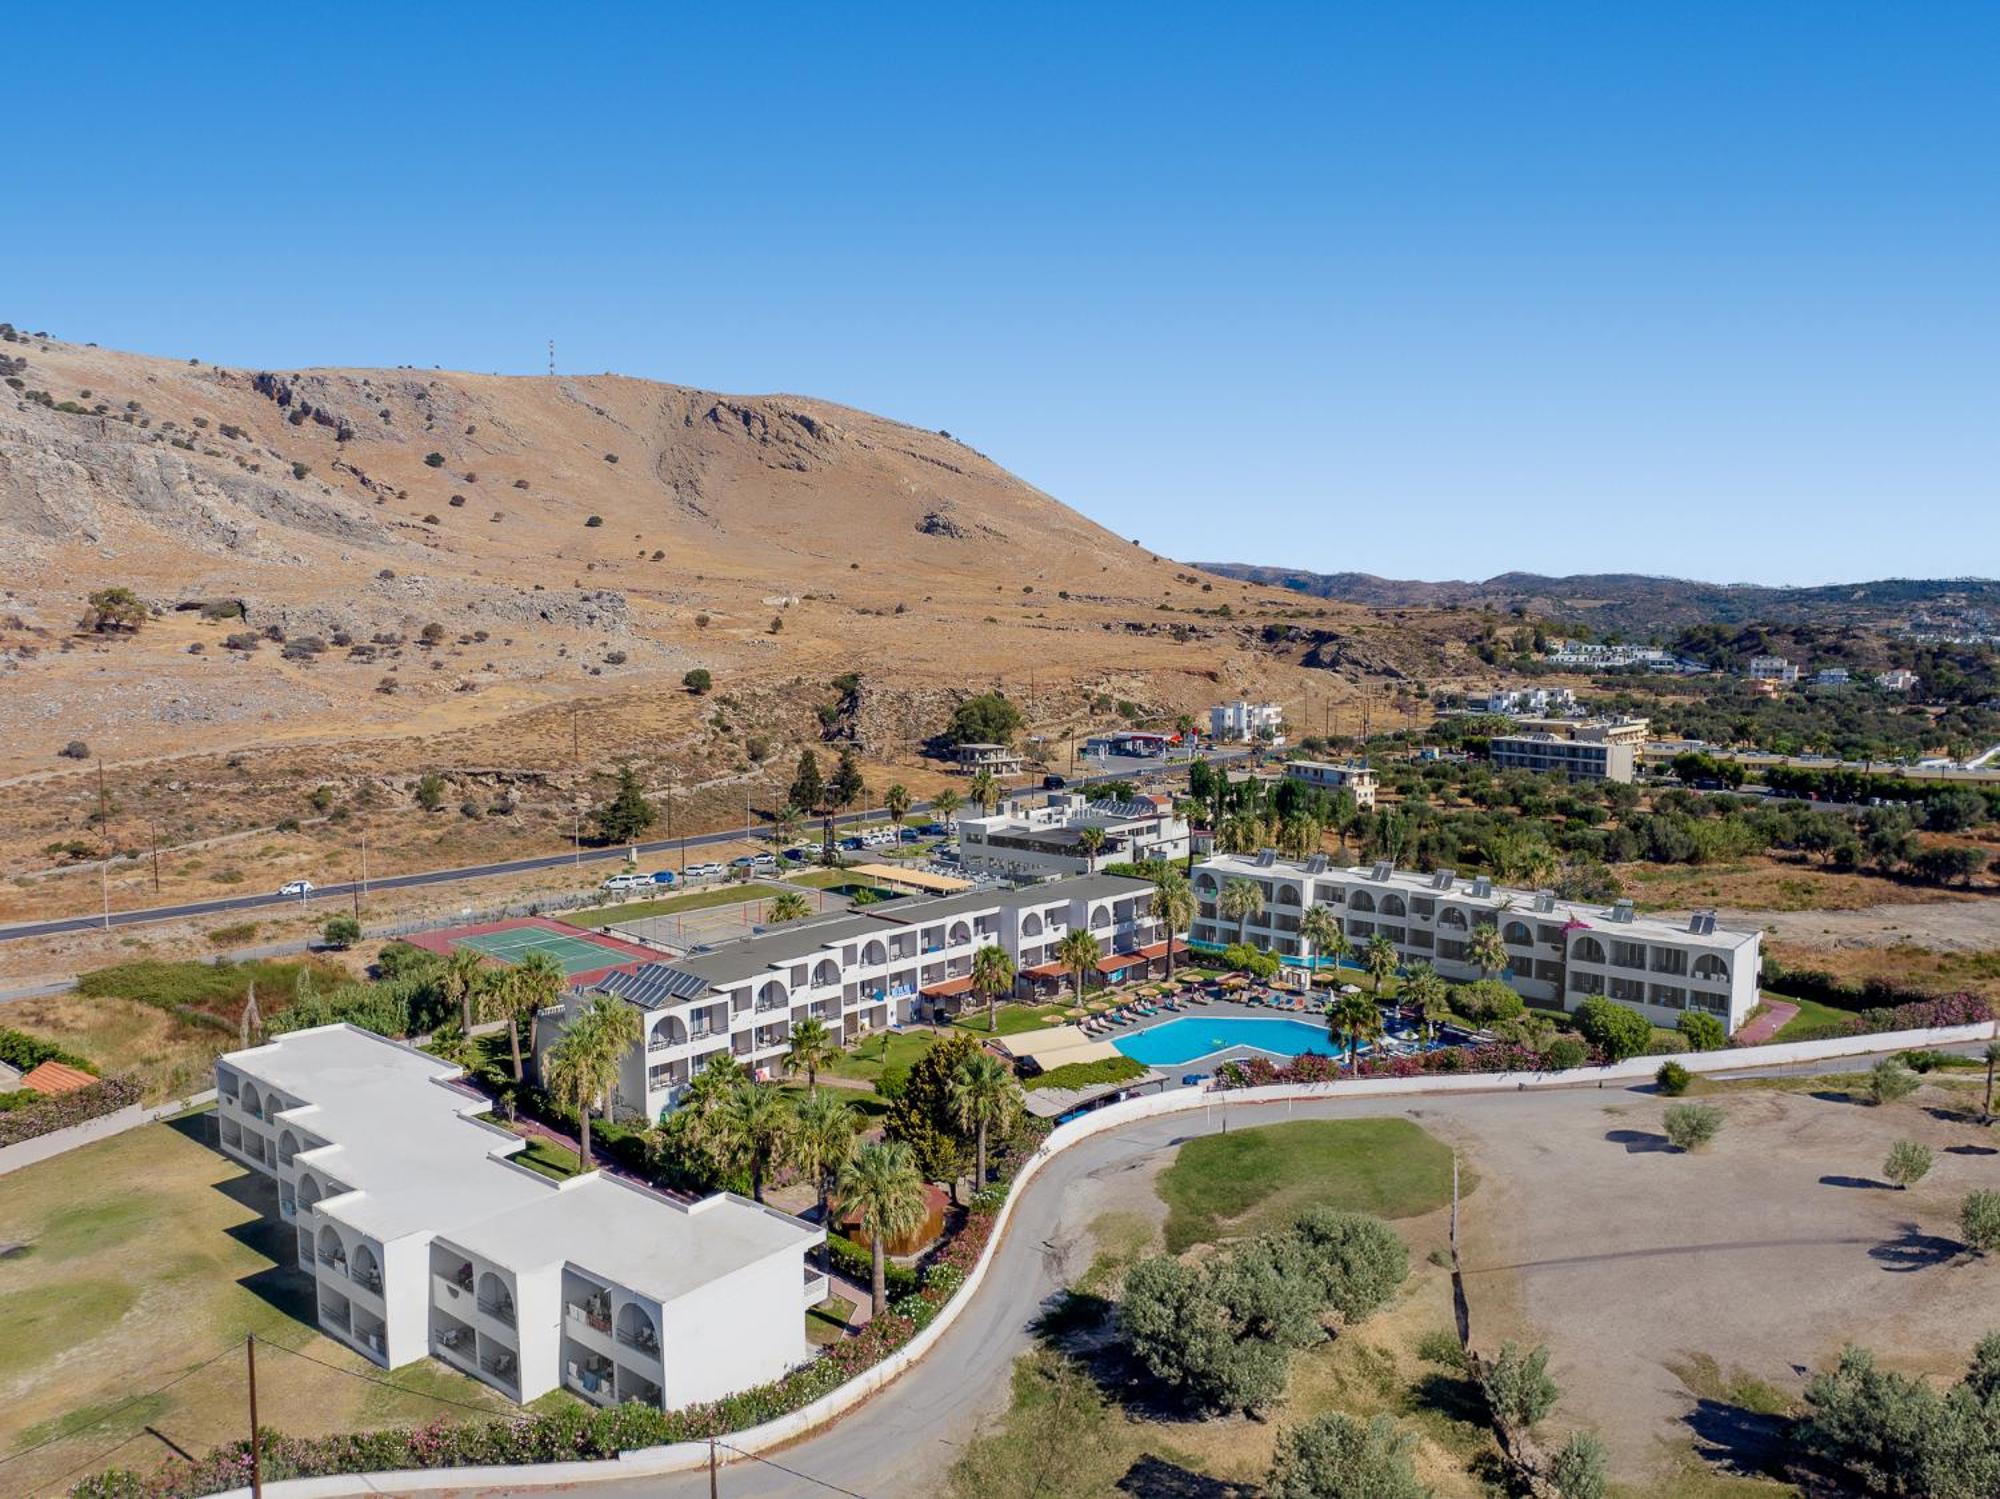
1192	1036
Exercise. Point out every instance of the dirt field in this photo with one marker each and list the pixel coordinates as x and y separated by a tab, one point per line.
1668	1286
1967	926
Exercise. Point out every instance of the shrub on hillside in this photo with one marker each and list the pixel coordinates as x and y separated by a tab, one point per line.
1672	1079
1692	1125
1613	1029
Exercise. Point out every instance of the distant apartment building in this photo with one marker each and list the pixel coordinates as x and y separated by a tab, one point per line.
1540	702
1830	676
1047	841
1592	657
857	972
1357	780
1560	952
1772	669
1900	679
423	1238
997	758
1245	721
1592	750
1140	743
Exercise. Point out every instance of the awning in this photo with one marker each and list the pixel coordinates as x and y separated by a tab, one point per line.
911	879
1159	949
948	988
1118	962
1047	970
1056	1047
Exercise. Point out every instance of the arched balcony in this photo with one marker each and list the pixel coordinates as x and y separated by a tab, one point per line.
874	954
636	1329
825	972
1516	934
1031	925
960	934
288	1146
1452	917
1393	905
1286	895
671	1031
1711	968
495	1300
366	1270
772	996
1361	900
1588	950
253	1101
309	1191
1100	918
332	1252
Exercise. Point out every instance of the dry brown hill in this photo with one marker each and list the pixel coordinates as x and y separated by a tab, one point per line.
562	542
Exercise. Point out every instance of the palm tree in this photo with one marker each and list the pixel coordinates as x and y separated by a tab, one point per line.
812	1048
1091	841
882	1187
822	1138
1380	958
1992	1059
524	990
984	1096
1078	952
584	1064
1239	901
787	905
985	790
1425	992
785	823
463	977
1487	951
755	1122
1356	1017
1299	835
992	977
897	800
1173	907
1319	929
945	804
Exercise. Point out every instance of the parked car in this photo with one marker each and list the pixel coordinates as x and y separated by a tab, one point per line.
851	844
933	830
628	882
911	835
801	853
300	888
1053	783
743	861
664	877
702	871
764	861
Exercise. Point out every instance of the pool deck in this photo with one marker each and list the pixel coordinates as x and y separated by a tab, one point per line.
1221	1009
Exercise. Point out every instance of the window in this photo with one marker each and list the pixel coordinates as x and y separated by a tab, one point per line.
1361	900
1670	996
1586	983
1588	950
1516	934
1628	955
1450	950
1628	989
1452	917
1392	905
1669	960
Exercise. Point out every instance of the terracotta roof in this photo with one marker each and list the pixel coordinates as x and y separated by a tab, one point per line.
1118	961
1159	949
53	1078
1051	969
949	987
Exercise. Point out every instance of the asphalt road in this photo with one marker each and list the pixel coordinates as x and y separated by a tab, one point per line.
336	893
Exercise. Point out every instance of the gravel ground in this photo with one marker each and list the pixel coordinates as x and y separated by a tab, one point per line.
1946	926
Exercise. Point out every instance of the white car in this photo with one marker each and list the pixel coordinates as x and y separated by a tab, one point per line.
300	888
628	882
704	871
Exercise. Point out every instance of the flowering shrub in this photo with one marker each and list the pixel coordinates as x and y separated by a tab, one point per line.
1494	1056
1917	1015
65	1109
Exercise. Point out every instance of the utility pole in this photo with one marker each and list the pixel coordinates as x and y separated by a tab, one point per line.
576	831
256	1441
103	802
155	829
711	1468
364	864
104	887
575	740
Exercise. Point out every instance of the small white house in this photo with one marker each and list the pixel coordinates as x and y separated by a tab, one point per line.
425	1239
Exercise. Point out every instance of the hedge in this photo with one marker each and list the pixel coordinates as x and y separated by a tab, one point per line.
1841	994
106	1096
1917	1015
1494	1056
24	1052
1088	1074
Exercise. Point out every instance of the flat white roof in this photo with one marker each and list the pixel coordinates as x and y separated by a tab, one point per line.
419	1160
1518	902
623	1233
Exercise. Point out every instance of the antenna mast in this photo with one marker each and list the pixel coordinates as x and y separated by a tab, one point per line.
552	359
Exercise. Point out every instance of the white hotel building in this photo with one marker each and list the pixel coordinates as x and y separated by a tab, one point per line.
857	972
1561	952
423	1237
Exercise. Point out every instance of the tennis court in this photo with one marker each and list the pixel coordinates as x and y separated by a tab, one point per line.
576	954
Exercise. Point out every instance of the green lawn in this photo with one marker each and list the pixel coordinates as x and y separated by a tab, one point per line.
870	1106
694	900
827	1322
1811	1013
890	1054
1013	1018
1252	1180
548	1158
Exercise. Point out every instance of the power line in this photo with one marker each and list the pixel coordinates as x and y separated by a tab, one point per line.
387	1384
120	1445
824	1483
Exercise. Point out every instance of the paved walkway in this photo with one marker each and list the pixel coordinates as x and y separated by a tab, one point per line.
1777	1012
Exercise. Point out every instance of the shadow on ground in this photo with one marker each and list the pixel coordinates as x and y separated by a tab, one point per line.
1736	1440
1862	1182
1913	1249
1154	1478
1639	1141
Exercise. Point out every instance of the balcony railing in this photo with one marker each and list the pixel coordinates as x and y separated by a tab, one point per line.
501	1311
589	1316
643	1338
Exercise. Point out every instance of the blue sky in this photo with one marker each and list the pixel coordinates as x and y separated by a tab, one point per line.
1423	290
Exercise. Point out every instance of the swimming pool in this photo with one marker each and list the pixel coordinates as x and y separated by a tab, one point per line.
1193	1036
